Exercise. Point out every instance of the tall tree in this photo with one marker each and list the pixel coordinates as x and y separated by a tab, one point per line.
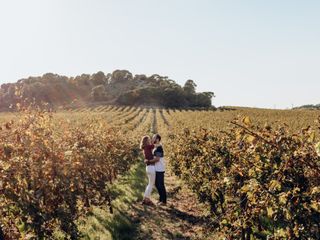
190	87
99	78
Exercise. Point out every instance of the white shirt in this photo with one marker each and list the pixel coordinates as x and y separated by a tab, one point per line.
160	166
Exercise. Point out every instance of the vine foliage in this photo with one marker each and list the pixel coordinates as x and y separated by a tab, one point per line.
53	170
260	182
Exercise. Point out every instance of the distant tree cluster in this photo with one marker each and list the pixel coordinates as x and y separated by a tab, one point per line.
309	106
120	86
167	93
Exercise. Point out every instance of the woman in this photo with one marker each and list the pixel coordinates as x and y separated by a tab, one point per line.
160	168
147	148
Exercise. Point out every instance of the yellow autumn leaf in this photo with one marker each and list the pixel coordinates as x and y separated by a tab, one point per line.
250	139
315	205
317	147
245	188
287	214
5	166
224	222
312	137
247	121
315	190
252	172
251	197
283	198
275	185
270	211
281	233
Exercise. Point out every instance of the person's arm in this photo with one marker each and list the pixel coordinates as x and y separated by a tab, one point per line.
154	160
158	155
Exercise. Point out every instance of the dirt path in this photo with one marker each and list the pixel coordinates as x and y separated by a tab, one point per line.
183	217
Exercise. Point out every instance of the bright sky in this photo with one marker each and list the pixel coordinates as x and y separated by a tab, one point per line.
249	52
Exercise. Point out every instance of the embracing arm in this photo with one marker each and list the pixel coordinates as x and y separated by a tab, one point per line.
158	154
154	160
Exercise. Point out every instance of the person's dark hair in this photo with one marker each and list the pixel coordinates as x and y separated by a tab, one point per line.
158	136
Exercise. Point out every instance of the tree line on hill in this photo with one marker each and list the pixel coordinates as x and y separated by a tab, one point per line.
118	87
309	106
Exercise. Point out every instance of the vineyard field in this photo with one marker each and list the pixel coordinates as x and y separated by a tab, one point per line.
255	173
295	119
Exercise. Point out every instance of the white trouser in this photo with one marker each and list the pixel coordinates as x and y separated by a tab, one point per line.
151	173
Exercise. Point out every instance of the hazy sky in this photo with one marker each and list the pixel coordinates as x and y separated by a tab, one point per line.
249	52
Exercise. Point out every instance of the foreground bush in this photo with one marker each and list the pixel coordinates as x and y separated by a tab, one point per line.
52	171
260	182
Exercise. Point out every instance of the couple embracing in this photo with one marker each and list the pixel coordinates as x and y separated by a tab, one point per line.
155	167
